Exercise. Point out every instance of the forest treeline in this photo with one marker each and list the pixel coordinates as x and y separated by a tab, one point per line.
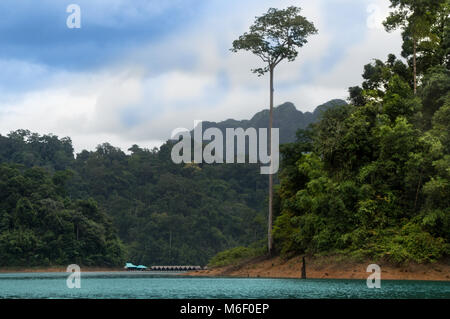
105	206
156	212
40	225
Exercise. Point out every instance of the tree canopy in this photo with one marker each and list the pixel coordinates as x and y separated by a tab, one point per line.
371	180
276	36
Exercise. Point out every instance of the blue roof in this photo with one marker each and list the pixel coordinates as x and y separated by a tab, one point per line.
141	267
130	265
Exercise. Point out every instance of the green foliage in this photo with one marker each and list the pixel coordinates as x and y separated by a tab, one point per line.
425	22
434	93
163	213
40	227
31	149
395	206
173	214
276	36
377	182
411	243
237	254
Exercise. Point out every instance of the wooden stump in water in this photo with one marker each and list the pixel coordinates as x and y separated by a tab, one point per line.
303	268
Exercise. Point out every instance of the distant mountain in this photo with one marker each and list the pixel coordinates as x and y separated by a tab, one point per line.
286	117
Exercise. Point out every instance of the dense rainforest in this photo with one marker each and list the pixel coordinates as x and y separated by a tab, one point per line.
372	179
153	211
40	225
58	209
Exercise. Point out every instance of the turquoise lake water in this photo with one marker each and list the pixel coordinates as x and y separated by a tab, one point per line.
171	286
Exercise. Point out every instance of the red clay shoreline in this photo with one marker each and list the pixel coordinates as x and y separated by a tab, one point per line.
55	269
327	267
316	268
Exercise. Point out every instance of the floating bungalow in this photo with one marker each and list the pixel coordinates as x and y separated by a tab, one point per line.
130	267
141	268
175	268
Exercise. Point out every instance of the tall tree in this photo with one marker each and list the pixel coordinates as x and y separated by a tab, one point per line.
415	18
275	36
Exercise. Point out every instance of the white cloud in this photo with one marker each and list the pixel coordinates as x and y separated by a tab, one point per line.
180	86
175	82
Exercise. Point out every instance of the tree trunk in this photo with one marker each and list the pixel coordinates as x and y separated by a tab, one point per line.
415	65
303	268
418	189
269	230
170	247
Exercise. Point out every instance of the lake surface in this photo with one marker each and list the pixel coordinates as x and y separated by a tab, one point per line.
172	286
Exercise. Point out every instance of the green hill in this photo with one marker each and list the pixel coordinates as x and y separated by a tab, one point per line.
286	117
162	212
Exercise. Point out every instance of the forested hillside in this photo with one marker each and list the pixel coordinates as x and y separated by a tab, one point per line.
162	212
372	179
168	213
40	225
286	117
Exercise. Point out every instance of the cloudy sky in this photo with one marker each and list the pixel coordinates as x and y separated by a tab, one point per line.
136	70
